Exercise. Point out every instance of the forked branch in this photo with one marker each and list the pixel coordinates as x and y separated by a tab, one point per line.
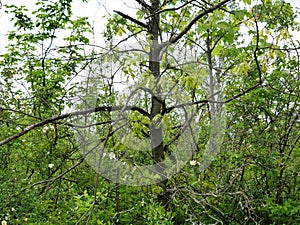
174	39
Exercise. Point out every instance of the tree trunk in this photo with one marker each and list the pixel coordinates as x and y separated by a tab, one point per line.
157	100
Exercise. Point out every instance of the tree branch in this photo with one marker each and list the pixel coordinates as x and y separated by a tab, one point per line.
256	50
170	9
143	3
19	112
243	92
67	115
174	39
131	19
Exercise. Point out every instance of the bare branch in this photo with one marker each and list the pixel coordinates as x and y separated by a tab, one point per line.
256	50
60	175
127	38
68	115
132	19
143	3
170	9
169	109
174	39
20	112
279	49
243	92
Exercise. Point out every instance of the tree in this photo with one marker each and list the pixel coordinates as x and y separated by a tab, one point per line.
185	54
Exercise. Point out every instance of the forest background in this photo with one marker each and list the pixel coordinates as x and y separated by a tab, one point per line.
209	90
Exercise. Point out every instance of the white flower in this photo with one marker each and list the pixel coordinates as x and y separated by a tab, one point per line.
45	129
25	219
142	203
193	162
12	209
112	155
3	222
17	97
51	165
51	127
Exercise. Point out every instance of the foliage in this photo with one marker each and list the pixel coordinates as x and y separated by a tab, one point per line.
246	51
